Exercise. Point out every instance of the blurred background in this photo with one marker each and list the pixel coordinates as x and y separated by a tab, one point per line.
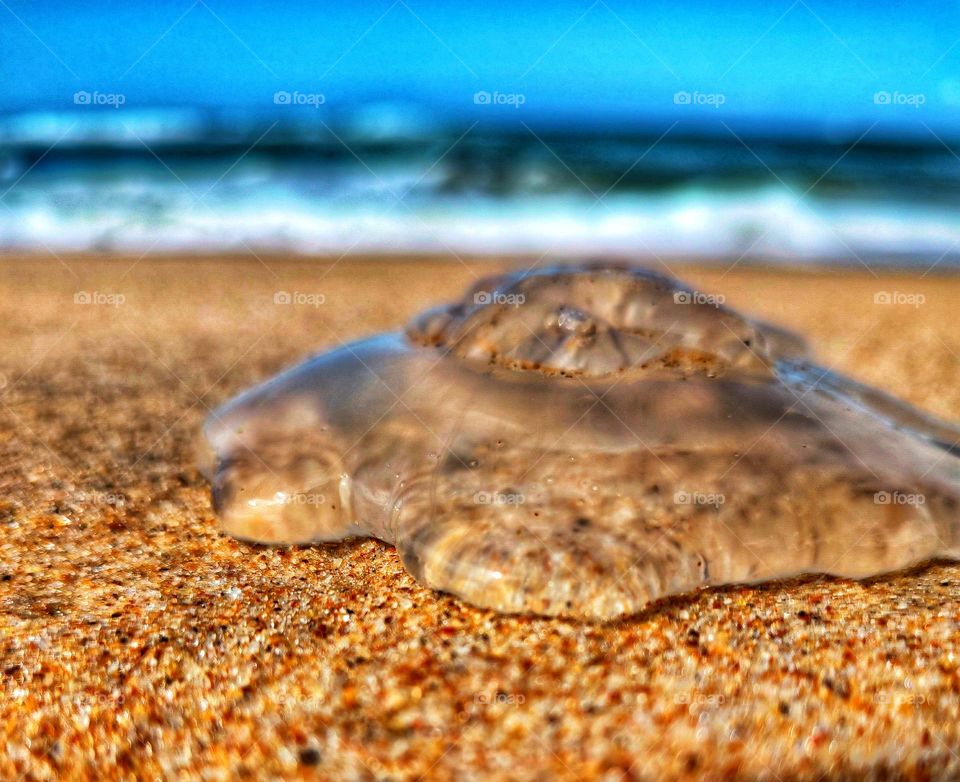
794	131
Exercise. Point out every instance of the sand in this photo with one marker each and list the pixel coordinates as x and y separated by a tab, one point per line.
138	642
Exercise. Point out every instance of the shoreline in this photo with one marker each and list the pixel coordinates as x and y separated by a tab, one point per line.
908	265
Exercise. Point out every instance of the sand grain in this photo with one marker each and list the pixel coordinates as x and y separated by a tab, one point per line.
136	641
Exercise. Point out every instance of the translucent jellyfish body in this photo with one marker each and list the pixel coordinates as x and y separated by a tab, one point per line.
582	440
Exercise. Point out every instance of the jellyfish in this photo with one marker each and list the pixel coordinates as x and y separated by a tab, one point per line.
582	440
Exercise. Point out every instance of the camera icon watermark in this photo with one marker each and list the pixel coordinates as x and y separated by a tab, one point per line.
99	298
85	98
295	98
709	700
306	498
899	297
713	99
898	498
113	499
484	98
900	698
499	698
896	98
298	297
498	498
496	297
696	297
699	498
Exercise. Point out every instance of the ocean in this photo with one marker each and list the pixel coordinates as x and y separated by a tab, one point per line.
184	181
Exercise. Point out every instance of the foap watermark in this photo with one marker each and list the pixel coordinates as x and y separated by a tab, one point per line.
712	499
897	98
113	499
499	698
299	297
714	99
696	297
296	98
900	694
900	698
484	98
282	498
114	99
496	297
899	297
898	498
499	498
305	498
709	700
99	297
96	700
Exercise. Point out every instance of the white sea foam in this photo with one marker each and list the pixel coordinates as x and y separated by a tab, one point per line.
183	181
767	222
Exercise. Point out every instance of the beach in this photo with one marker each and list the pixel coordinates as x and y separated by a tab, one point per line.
136	641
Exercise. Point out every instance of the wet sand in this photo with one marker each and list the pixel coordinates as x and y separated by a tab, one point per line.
136	641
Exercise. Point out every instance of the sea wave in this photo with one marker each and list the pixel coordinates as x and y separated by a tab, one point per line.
763	224
182	183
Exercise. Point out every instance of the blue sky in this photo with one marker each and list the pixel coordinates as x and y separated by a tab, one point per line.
586	62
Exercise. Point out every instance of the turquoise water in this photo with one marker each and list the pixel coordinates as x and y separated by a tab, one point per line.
168	181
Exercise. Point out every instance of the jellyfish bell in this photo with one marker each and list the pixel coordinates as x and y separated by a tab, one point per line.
582	440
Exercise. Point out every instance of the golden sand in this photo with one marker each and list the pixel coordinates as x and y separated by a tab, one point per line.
138	642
